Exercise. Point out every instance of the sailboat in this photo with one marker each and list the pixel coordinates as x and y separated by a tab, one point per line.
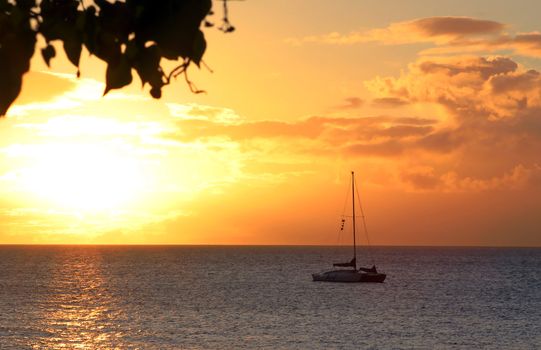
352	273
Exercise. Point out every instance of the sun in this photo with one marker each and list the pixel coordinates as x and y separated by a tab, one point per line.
84	177
78	177
80	164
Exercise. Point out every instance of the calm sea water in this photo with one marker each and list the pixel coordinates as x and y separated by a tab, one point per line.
263	298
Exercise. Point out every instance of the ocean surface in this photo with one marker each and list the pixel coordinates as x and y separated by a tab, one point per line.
181	297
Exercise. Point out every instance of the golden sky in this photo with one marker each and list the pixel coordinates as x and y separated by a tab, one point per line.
436	107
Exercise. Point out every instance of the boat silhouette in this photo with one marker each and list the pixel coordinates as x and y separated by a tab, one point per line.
352	274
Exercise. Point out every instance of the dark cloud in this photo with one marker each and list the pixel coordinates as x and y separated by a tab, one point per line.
457	26
437	30
525	43
486	67
518	82
389	102
400	131
413	121
442	141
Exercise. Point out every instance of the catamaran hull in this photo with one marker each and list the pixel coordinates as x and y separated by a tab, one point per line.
349	276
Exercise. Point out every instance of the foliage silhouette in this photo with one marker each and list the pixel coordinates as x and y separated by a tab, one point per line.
128	35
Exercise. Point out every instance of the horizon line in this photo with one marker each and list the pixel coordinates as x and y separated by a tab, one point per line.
250	245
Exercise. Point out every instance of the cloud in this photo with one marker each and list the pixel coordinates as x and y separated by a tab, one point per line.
453	66
399	131
505	83
421	178
450	35
442	141
455	26
438	30
390	148
471	87
351	103
525	44
62	154
485	138
492	137
374	136
519	177
389	102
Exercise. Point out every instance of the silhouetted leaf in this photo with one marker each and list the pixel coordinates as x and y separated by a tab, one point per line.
199	46
89	30
73	47
25	5
156	92
10	85
17	42
47	53
147	65
107	47
125	34
118	75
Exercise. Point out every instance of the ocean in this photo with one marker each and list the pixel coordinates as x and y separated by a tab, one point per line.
249	297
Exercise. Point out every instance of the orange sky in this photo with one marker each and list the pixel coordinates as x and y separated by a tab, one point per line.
437	109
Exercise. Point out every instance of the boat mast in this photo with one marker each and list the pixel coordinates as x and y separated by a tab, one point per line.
354	241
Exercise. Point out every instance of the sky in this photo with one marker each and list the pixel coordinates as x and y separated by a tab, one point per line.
436	106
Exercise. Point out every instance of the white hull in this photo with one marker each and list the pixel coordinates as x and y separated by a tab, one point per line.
348	276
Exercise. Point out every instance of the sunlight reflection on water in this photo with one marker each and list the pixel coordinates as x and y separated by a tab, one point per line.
263	297
78	311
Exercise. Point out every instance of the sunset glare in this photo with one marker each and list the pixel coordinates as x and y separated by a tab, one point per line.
436	108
